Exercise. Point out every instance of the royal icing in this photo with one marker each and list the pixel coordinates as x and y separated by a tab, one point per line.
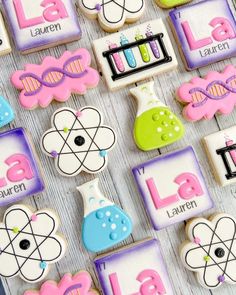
207	41
78	141
55	79
6	112
221	150
211	250
29	243
41	24
147	272
20	175
104	224
155	125
69	285
172	187
215	93
112	14
171	3
135	54
5	46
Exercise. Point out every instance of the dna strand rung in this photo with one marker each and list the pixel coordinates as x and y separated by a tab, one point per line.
216	90
53	76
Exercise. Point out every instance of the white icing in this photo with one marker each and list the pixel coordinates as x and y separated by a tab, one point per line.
217	141
45	245
5	46
112	14
72	158
218	234
102	45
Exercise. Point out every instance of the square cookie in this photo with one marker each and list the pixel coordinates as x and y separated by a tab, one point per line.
5	46
39	24
135	54
146	270
20	175
173	188
205	31
221	151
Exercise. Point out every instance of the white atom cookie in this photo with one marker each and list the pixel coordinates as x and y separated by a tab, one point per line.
211	252
112	14
29	243
78	141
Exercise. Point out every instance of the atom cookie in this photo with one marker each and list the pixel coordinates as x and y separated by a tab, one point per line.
204	97
55	79
211	251
112	14
104	224
29	243
78	141
80	283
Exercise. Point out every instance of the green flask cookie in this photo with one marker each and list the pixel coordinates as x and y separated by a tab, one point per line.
155	125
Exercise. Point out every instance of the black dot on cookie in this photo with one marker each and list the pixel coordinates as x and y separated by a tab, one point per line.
79	140
24	244
219	252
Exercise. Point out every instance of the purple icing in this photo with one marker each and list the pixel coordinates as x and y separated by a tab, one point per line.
221	279
204	11
98	7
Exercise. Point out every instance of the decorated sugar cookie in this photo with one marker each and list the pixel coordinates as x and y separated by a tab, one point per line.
211	250
55	79
112	14
104	224
78	141
5	46
207	41
173	188
205	97
171	3
155	125
29	243
146	273
20	173
135	54
40	24
69	285
221	151
6	112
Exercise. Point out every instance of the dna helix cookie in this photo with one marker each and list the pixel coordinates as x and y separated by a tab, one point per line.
55	79
29	243
78	141
80	283
211	250
112	14
205	97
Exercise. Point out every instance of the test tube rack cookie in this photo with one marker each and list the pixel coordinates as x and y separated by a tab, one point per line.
205	32
135	54
37	24
147	272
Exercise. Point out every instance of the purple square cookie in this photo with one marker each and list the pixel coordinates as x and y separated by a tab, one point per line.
39	24
205	31
146	270
173	188
20	175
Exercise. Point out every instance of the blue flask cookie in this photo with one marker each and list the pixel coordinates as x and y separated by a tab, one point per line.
6	112
104	224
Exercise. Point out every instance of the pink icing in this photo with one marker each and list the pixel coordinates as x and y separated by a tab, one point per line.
223	29
115	284
54	10
189	186
20	168
55	79
65	287
153	285
217	90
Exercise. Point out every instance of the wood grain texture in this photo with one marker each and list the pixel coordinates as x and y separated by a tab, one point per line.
119	110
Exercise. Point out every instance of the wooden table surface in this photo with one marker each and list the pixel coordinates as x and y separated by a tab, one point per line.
119	110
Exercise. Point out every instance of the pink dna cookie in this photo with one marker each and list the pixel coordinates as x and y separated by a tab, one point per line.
215	93
78	284
55	79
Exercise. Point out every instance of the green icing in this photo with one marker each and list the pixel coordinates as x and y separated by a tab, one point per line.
156	128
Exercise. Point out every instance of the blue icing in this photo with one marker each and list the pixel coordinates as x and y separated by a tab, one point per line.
105	227
6	112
